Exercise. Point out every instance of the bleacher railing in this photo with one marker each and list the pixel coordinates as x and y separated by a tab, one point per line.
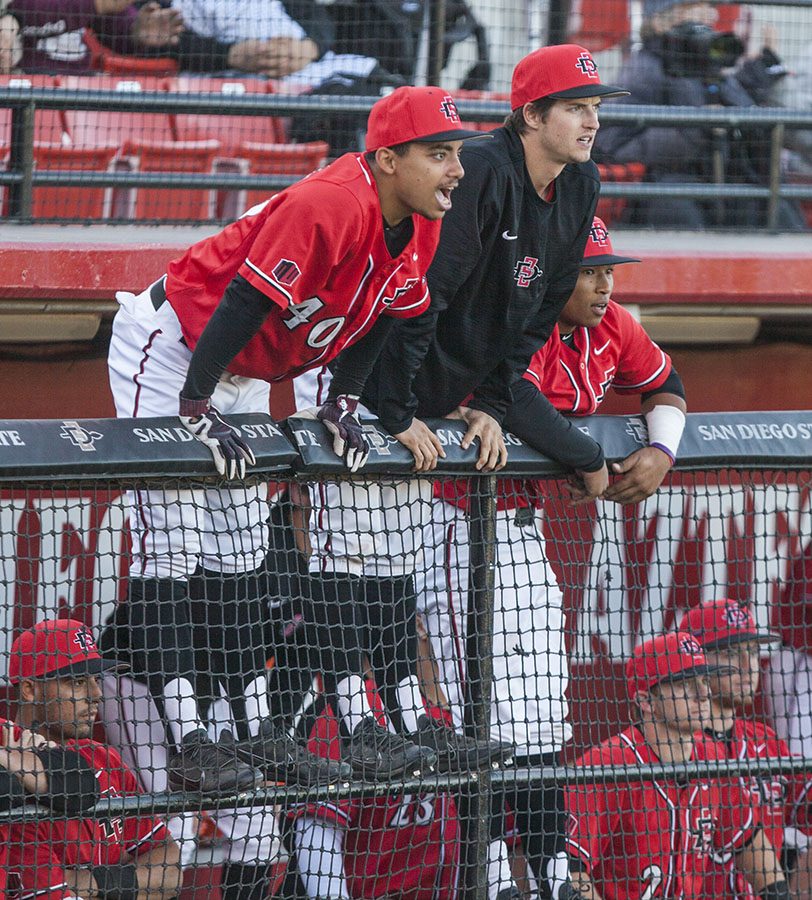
732	519
21	176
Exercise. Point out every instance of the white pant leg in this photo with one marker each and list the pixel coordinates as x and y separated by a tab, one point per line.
788	692
530	666
133	727
174	529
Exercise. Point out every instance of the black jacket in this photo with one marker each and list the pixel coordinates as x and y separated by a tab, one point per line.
506	265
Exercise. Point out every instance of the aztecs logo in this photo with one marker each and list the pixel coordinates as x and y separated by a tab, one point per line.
449	109
736	617
586	64
286	272
526	271
399	292
84	639
690	647
702	832
598	235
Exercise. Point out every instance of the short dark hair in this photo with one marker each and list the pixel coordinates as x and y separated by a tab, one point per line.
397	149
515	120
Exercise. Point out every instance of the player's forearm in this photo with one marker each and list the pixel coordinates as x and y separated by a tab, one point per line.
238	317
758	863
27	770
158	872
354	364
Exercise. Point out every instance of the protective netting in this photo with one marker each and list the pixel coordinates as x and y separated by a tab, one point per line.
345	623
669	54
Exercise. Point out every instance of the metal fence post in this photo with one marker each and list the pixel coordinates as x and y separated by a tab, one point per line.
21	159
436	49
773	204
475	802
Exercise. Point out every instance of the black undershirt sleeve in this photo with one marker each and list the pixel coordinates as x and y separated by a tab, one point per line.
12	793
672	385
72	784
353	365
238	317
533	419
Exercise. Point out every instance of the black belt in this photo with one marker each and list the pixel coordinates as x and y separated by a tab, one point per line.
157	294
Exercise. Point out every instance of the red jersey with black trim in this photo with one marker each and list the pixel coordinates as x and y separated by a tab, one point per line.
575	377
783	800
317	252
37	853
402	845
655	838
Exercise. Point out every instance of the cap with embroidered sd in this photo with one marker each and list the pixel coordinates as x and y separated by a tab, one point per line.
422	114
56	648
562	72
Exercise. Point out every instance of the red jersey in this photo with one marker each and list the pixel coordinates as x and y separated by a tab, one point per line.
782	800
403	846
655	838
317	252
37	853
574	376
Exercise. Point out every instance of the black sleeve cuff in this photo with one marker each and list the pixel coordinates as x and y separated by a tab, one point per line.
72	784
778	890
12	792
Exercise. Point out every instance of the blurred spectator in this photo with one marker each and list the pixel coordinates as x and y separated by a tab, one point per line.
683	62
48	35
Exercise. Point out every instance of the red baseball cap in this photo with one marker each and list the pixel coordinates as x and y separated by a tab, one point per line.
668	657
55	648
562	72
598	250
420	114
721	623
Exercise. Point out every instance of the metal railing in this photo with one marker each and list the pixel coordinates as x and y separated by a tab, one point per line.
21	176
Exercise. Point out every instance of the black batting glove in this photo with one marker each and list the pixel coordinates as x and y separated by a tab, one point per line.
340	416
228	449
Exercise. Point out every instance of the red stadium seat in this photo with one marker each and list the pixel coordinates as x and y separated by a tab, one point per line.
103	59
231	131
105	127
71	202
173	156
49	124
610	208
281	159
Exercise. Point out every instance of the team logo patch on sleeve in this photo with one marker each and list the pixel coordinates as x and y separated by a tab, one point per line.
286	272
526	271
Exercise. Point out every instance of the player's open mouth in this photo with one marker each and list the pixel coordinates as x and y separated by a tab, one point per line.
586	141
443	196
599	308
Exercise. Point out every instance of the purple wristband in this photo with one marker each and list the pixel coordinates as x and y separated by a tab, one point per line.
194	407
665	450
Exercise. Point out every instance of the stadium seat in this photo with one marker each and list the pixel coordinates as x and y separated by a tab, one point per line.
611	208
106	127
71	202
103	59
280	159
49	124
173	156
229	130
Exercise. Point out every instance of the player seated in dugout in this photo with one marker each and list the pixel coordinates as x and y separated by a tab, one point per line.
56	668
663	837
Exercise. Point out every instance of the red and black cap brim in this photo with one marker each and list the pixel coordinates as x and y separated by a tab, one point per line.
588	90
607	259
696	672
87	667
741	637
457	134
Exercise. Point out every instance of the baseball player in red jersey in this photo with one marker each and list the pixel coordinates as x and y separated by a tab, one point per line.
729	637
55	668
595	345
647	839
322	268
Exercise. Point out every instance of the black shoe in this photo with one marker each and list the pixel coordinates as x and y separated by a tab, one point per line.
376	754
510	893
281	758
456	752
202	765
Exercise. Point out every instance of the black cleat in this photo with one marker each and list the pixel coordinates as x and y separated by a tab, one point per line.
456	752
281	758
202	765
376	754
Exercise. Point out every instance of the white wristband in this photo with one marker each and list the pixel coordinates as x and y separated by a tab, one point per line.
665	427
